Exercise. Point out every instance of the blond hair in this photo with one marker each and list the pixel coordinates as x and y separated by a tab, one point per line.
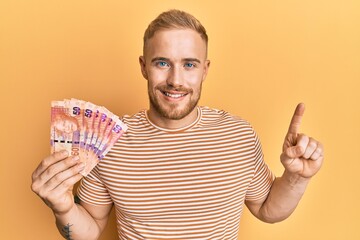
175	19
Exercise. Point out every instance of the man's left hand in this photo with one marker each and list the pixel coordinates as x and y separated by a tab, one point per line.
302	155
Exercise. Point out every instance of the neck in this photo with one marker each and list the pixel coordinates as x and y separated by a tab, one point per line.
163	122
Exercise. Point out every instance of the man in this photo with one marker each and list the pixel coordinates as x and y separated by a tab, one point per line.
181	171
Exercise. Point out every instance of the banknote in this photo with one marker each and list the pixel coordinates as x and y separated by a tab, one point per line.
84	129
63	128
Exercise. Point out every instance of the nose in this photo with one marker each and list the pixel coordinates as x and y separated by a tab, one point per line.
67	128
175	77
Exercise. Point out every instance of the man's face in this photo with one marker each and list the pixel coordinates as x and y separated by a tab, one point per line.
175	65
65	126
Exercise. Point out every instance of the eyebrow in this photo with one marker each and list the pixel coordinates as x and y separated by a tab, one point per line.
191	60
183	60
159	59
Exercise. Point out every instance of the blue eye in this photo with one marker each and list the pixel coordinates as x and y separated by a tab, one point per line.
162	64
189	65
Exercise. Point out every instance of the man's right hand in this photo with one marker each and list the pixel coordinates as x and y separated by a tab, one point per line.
54	178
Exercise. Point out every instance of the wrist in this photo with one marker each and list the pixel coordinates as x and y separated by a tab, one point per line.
295	179
66	214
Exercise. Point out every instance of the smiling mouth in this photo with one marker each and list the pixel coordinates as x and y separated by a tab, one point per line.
174	95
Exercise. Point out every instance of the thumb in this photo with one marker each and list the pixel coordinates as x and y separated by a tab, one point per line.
293	152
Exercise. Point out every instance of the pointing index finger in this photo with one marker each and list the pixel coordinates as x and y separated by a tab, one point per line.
295	123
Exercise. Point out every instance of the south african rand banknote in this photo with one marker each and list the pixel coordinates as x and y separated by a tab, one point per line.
84	129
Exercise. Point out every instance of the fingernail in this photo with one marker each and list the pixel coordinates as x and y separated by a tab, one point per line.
76	158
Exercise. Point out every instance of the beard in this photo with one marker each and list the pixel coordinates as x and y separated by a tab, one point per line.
172	110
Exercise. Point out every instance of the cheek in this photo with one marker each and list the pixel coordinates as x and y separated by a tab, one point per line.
59	125
194	79
157	76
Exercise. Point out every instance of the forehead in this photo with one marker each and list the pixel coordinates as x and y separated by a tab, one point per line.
174	43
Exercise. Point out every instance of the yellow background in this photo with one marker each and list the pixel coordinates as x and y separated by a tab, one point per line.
266	57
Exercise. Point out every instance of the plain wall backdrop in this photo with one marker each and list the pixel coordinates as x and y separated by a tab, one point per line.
266	56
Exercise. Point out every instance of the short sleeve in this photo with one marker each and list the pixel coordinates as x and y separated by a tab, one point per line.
92	190
263	178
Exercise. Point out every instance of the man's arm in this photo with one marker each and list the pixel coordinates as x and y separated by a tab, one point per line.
302	158
83	221
53	181
282	200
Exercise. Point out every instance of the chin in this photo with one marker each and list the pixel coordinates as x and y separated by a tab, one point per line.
175	113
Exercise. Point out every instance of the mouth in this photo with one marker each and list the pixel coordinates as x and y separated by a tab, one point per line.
174	95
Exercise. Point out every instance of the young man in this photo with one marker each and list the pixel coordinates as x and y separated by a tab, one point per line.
181	171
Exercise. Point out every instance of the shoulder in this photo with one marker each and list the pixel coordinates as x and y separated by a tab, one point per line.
227	124
135	121
133	118
222	117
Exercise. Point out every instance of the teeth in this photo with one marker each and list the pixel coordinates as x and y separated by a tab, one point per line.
174	95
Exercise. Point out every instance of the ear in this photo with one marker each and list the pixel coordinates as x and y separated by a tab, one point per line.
206	69
143	67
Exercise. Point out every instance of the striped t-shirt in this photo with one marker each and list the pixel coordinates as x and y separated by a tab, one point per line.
188	183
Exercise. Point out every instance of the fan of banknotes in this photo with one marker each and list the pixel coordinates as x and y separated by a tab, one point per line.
84	129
